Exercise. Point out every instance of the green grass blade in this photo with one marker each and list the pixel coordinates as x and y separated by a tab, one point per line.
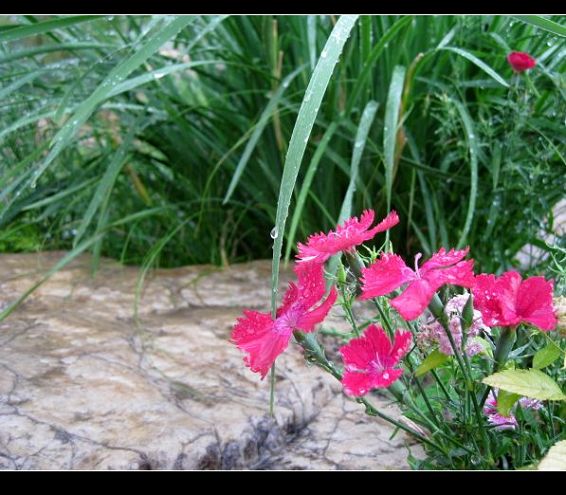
263	121
106	184
480	63
59	47
156	75
306	186
45	27
542	23
473	148
170	30
390	127
18	83
366	121
301	132
369	64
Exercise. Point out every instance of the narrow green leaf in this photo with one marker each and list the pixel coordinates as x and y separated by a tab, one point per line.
531	383
390	128
546	356
106	184
542	23
306	186
118	74
475	60
366	121
474	148
45	27
301	132
370	62
433	360
260	126
18	83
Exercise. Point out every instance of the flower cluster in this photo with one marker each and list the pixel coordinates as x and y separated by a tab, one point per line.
433	333
264	338
371	360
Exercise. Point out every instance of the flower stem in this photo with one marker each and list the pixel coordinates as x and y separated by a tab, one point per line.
437	309
315	354
502	349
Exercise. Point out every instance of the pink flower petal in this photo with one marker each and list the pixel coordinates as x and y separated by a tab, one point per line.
486	299
308	320
442	259
351	233
388	273
370	359
358	354
401	346
414	300
461	274
356	384
534	303
255	334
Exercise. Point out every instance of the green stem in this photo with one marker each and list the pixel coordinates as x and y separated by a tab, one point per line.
315	354
437	309
502	349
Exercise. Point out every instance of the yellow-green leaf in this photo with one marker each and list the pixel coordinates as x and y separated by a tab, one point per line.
531	383
505	401
433	360
555	459
545	356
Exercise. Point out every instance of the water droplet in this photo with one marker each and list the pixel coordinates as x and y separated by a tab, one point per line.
158	75
324	53
274	232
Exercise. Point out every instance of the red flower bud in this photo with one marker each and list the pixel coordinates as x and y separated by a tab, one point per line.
521	61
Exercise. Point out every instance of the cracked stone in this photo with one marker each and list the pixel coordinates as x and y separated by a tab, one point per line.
86	382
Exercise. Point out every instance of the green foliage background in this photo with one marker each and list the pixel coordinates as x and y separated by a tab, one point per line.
159	140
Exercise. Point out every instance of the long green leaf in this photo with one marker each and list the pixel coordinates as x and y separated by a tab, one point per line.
171	28
390	127
301	132
106	184
475	60
45	27
359	145
260	126
473	147
542	23
306	186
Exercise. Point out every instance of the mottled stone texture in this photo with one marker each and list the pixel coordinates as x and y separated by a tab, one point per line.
85	384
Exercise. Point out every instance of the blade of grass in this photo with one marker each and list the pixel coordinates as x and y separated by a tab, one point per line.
301	132
118	74
306	186
298	143
390	127
106	184
542	23
45	27
260	126
480	63
366	121
473	150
